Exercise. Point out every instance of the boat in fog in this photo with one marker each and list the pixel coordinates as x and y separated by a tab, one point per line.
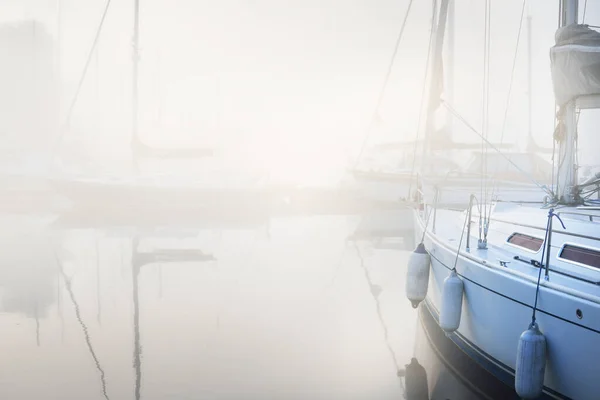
513	283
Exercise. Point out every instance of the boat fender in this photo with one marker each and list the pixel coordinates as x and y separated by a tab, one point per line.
531	363
452	296
417	275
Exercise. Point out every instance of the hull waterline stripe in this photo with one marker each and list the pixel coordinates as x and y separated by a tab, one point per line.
503	373
450	357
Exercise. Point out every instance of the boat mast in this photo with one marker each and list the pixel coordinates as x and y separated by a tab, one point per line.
134	88
567	170
437	78
449	92
530	143
159	81
58	60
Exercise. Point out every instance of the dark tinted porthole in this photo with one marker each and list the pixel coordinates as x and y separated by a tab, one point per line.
525	241
580	255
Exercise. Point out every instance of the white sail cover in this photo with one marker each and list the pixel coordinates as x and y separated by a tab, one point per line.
575	62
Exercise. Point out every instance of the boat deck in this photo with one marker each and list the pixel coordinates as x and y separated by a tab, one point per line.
524	263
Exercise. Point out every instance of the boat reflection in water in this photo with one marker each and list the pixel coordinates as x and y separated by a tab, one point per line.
140	259
163	312
440	370
427	377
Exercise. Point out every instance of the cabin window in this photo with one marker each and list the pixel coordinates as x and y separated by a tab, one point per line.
580	255
525	241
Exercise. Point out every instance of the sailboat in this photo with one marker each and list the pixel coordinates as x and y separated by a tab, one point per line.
514	285
388	171
214	187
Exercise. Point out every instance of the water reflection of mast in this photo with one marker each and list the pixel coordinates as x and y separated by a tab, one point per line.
59	307
375	292
98	302
138	260
160	281
137	350
84	327
37	324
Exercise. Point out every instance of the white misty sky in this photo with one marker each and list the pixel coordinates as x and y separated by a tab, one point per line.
289	85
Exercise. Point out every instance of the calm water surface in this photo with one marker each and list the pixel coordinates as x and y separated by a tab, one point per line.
288	308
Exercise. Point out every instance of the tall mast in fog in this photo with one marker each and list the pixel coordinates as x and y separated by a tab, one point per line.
449	92
58	61
134	87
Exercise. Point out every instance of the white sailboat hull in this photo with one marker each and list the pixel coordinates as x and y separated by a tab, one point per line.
497	308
